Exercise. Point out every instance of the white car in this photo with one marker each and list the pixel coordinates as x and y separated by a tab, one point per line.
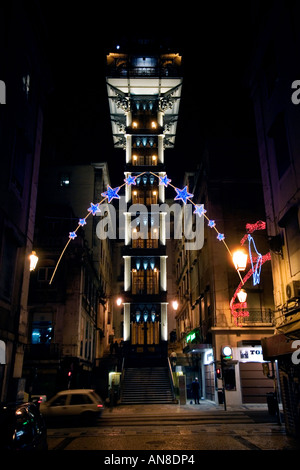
79	403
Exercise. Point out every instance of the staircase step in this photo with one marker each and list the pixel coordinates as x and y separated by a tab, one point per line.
146	385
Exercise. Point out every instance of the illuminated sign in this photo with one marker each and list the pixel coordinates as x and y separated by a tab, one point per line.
190	337
251	354
227	352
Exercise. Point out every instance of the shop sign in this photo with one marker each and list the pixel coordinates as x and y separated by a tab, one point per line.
251	354
190	337
208	357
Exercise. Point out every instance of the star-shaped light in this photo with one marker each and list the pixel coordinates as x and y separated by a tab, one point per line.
164	180
111	193
82	222
72	235
211	223
93	208
221	237
130	180
199	210
183	194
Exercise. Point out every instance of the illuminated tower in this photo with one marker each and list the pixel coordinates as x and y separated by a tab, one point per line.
144	91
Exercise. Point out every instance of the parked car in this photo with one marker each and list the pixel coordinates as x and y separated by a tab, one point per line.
22	427
69	404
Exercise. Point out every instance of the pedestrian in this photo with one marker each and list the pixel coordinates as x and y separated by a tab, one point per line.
116	347
196	391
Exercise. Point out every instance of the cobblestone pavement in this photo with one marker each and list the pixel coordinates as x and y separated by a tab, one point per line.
175	427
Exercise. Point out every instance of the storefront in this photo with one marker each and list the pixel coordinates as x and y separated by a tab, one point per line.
284	349
255	385
200	364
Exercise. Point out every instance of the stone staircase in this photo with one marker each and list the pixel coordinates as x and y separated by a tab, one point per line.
142	385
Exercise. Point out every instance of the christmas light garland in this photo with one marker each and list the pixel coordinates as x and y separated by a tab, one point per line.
238	309
184	196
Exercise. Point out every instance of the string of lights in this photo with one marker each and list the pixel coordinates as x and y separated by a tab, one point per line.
113	193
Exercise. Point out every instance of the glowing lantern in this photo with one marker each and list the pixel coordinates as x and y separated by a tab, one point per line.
33	261
239	259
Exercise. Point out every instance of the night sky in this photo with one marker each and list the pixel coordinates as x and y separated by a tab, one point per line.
216	46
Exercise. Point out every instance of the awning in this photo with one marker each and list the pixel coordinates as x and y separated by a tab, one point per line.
292	327
196	347
276	346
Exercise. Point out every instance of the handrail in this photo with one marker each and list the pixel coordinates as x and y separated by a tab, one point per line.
172	379
122	377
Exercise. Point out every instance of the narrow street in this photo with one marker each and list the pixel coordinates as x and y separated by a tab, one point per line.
171	427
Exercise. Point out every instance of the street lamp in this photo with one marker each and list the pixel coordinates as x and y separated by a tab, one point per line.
33	261
175	305
119	301
239	259
242	295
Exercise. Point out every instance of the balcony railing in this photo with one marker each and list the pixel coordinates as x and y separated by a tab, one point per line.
42	351
257	316
132	71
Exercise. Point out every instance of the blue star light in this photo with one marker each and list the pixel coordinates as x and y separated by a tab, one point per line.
199	210
211	223
72	235
183	194
130	180
221	237
94	208
111	193
164	180
82	222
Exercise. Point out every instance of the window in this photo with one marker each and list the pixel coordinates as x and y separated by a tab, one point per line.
80	399
45	273
137	281
59	401
152	281
26	84
64	180
42	332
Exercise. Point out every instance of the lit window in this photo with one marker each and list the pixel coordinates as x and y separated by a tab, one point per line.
42	332
64	180
26	84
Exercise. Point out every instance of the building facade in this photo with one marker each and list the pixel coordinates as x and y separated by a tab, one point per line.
70	303
274	81
25	73
207	282
144	90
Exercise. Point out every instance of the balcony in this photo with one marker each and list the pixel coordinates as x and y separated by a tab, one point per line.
257	317
51	351
125	68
